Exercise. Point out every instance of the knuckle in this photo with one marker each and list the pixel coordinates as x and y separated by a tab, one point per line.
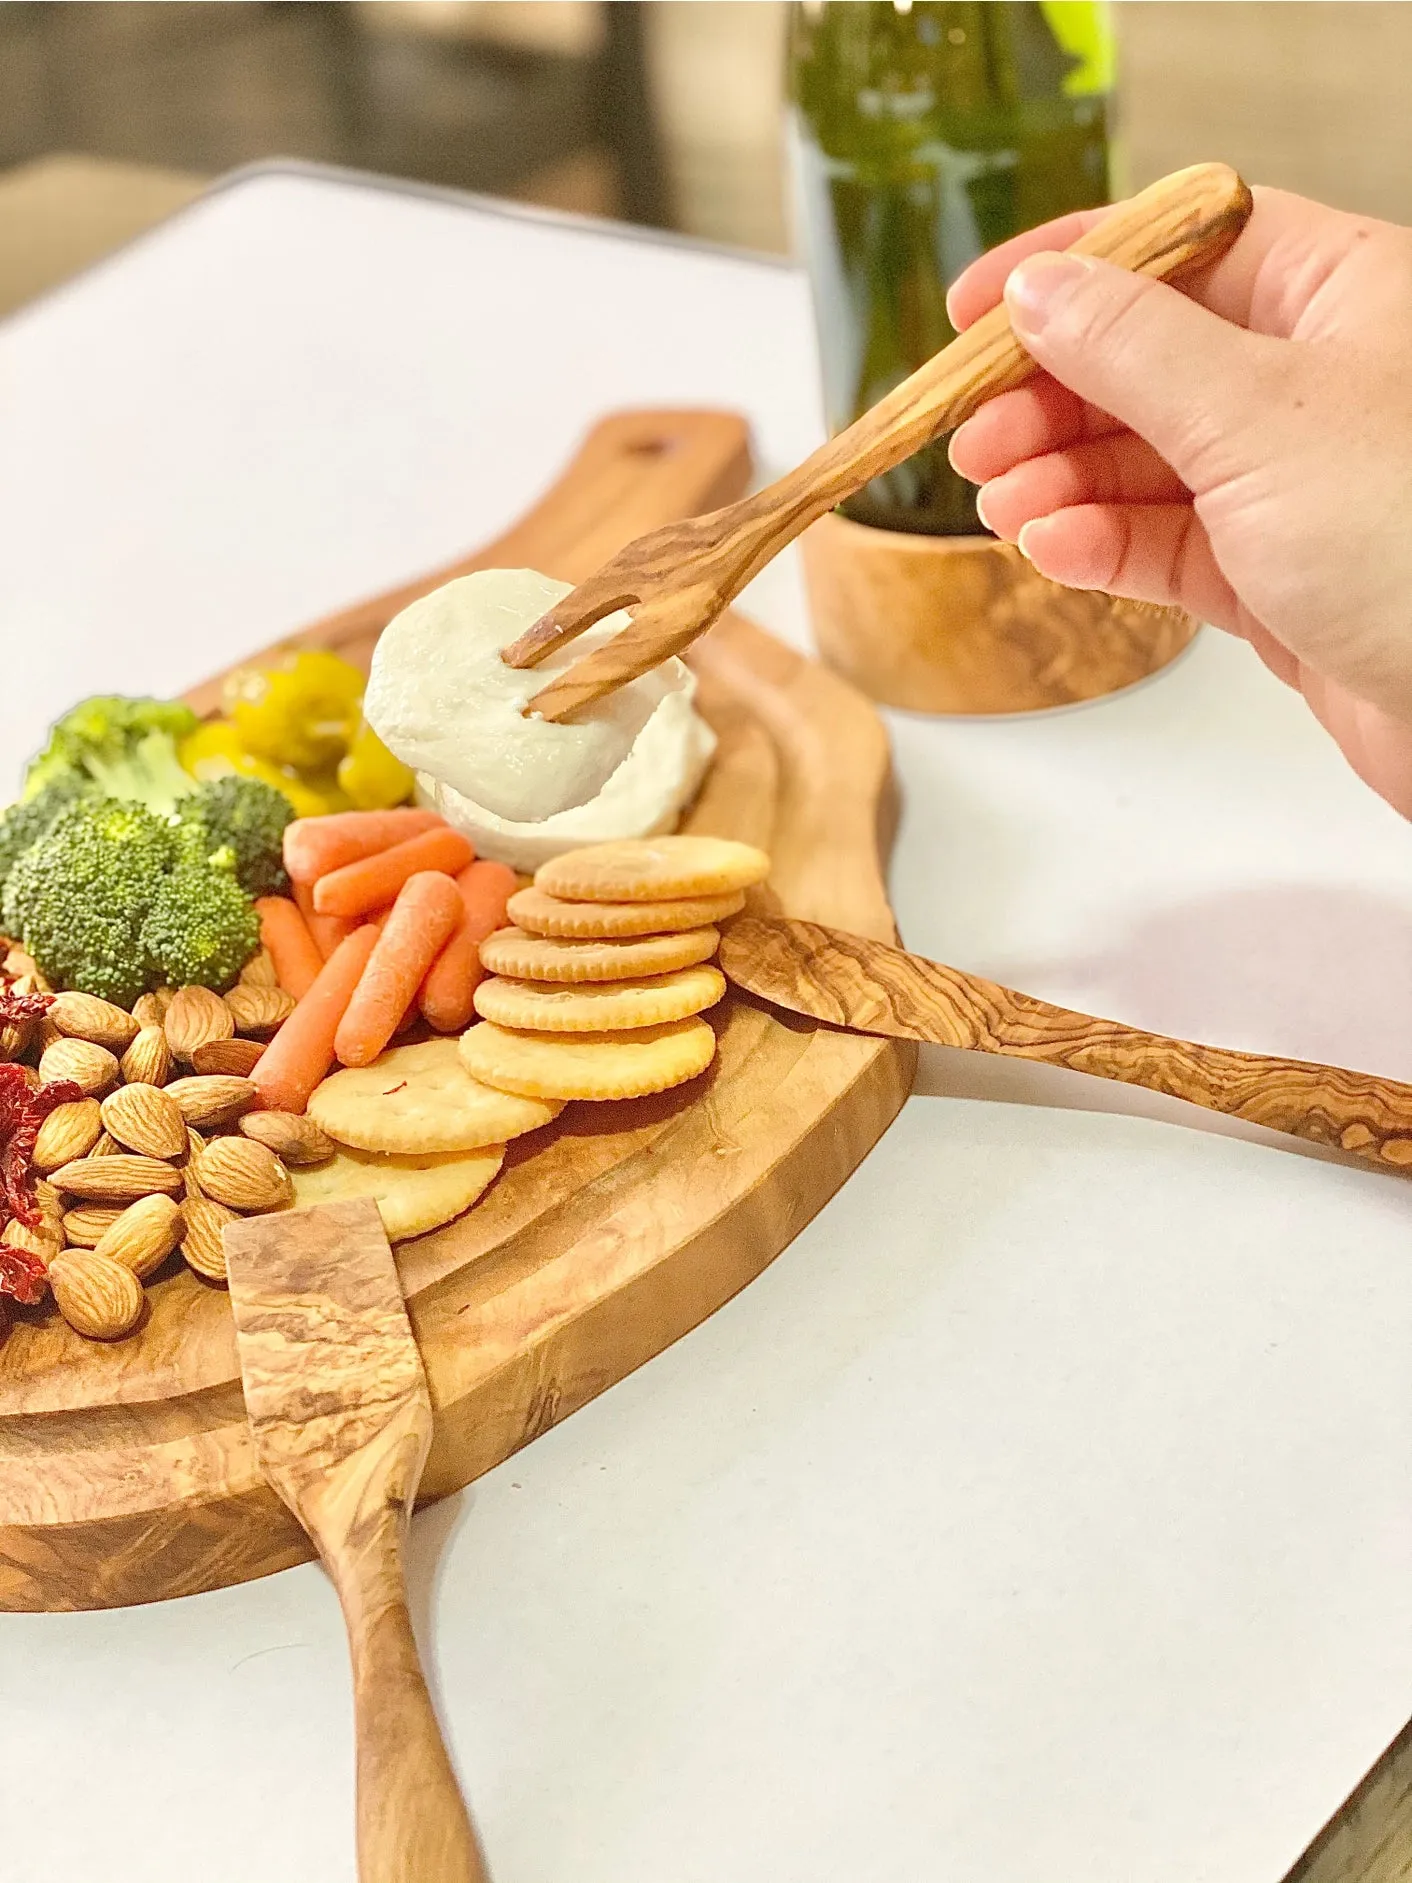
1108	311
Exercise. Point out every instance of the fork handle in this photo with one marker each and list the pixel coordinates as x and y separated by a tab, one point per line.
1176	225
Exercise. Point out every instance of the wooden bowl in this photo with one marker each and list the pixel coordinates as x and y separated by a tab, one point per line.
963	624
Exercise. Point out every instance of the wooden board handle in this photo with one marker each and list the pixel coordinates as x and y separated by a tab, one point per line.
873	988
633	472
412	1823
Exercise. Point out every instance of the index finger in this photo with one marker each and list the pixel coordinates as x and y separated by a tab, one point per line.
1263	280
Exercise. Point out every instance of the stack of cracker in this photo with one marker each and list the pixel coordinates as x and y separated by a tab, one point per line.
597	991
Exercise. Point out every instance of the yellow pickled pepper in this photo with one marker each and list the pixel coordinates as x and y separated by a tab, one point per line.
372	777
215	749
302	712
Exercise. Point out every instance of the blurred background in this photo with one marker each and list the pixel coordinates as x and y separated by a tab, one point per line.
112	116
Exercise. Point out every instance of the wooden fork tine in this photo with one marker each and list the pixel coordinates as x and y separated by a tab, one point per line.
655	633
600	595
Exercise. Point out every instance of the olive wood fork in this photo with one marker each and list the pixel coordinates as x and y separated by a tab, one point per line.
677	580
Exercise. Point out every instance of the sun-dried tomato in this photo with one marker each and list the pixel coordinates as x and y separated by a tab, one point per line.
22	1112
15	1008
23	1276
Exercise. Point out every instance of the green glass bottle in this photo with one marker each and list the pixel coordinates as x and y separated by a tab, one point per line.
921	135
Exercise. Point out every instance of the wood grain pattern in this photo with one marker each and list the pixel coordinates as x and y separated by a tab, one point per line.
127	1473
858	982
1369	1837
341	1420
963	624
679	578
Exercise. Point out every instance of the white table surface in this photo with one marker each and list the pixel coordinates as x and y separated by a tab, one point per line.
1042	1513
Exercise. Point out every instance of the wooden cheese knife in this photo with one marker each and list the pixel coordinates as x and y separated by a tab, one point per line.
870	987
341	1419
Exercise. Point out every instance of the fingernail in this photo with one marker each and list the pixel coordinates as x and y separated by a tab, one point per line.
980	509
1039	284
1025	530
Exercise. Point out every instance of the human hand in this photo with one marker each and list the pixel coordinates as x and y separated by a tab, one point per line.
1241	448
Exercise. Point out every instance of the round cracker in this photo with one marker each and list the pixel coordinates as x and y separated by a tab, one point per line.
609	1007
653	869
418	1099
414	1195
617	921
589	1065
542	958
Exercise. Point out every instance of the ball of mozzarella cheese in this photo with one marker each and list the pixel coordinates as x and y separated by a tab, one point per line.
524	790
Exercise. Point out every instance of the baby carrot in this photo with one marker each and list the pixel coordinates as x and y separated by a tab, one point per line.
448	993
327	930
301	1053
315	845
427	909
292	948
374	880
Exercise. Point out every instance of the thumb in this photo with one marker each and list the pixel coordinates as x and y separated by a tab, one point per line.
1193	385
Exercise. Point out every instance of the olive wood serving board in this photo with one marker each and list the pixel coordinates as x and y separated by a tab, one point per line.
128	1472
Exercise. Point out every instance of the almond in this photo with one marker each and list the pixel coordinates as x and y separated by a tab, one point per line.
24	966
96	1296
45	1034
51	1206
212	1098
195	1145
291	1136
143	1236
235	1058
121	1178
17	1036
68	1132
92	1068
151	1009
244	1175
146	1119
259	970
203	1244
86	1017
195	1016
43	1243
107	1145
148	1061
86	1224
15	1039
259	1010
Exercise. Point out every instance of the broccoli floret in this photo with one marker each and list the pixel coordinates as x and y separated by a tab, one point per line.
200	926
246	816
77	898
121	748
26	822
